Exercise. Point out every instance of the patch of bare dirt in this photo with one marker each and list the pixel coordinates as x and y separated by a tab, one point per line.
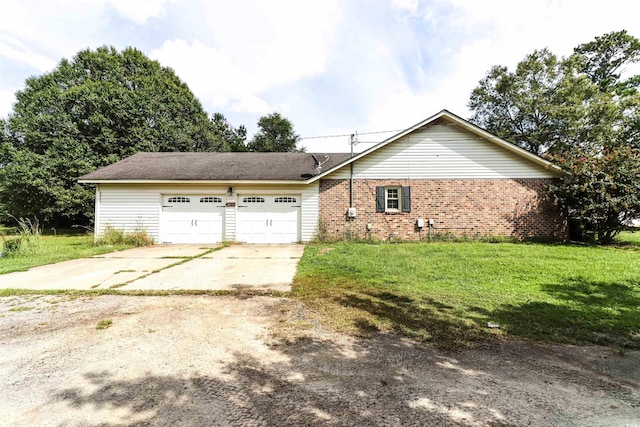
202	360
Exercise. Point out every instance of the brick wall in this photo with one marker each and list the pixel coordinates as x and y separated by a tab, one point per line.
471	207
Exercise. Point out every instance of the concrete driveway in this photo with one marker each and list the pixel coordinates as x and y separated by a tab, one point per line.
169	267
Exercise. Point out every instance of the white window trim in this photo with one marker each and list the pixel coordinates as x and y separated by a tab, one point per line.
386	198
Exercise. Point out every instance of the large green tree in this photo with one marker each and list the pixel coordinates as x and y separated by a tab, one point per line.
275	134
91	111
583	114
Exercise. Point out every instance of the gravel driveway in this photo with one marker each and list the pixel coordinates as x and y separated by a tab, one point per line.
196	360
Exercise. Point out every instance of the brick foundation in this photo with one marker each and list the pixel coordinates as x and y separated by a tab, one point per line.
462	207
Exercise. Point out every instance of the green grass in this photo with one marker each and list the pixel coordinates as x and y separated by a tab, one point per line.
447	292
21	308
104	324
51	249
629	238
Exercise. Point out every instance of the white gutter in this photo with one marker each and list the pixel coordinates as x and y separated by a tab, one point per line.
187	181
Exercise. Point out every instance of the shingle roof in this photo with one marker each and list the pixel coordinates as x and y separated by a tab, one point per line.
216	167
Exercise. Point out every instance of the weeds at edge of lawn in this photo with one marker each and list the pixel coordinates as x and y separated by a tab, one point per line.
243	293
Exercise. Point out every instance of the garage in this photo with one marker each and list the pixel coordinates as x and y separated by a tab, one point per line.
268	218
205	198
192	218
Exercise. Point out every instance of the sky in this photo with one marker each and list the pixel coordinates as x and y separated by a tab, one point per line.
332	67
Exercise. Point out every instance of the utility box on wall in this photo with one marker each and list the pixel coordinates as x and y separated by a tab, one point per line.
351	213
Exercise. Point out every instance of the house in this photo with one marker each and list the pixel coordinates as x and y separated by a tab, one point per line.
443	175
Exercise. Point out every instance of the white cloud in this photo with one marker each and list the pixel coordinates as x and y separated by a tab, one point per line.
212	75
467	38
250	104
15	50
139	11
277	43
327	64
408	5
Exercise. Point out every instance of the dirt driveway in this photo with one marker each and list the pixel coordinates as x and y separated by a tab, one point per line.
198	360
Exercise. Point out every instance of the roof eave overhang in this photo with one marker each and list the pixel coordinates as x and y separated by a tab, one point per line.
188	181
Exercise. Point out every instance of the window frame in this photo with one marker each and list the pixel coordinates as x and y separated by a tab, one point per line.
178	199
285	199
210	199
253	199
397	198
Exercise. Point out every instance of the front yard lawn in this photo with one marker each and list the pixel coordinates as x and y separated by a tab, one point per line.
51	249
447	293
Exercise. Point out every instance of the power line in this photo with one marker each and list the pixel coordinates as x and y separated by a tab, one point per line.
349	134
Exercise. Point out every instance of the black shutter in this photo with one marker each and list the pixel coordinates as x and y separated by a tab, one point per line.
406	199
379	199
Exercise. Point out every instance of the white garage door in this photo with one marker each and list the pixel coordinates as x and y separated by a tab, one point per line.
192	219
268	219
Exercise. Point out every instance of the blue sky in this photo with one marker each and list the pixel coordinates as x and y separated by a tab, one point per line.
330	66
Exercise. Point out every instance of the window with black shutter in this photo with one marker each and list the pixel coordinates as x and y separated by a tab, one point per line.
393	199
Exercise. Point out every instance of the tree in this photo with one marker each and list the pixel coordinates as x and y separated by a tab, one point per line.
601	193
520	106
91	111
275	134
234	138
578	112
603	58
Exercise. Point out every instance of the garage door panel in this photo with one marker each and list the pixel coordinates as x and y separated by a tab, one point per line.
192	219
268	219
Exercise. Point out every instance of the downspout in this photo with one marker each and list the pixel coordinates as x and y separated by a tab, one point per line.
351	143
351	202
351	185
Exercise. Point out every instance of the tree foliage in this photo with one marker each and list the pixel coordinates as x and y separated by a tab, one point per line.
513	105
580	113
601	192
275	134
604	58
234	138
93	110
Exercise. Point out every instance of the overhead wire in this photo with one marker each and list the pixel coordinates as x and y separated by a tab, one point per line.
349	134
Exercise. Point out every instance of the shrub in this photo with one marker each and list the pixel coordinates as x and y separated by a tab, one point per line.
27	240
116	237
11	246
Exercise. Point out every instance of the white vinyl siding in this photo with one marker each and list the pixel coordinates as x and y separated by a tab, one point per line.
310	212
128	210
230	221
442	152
